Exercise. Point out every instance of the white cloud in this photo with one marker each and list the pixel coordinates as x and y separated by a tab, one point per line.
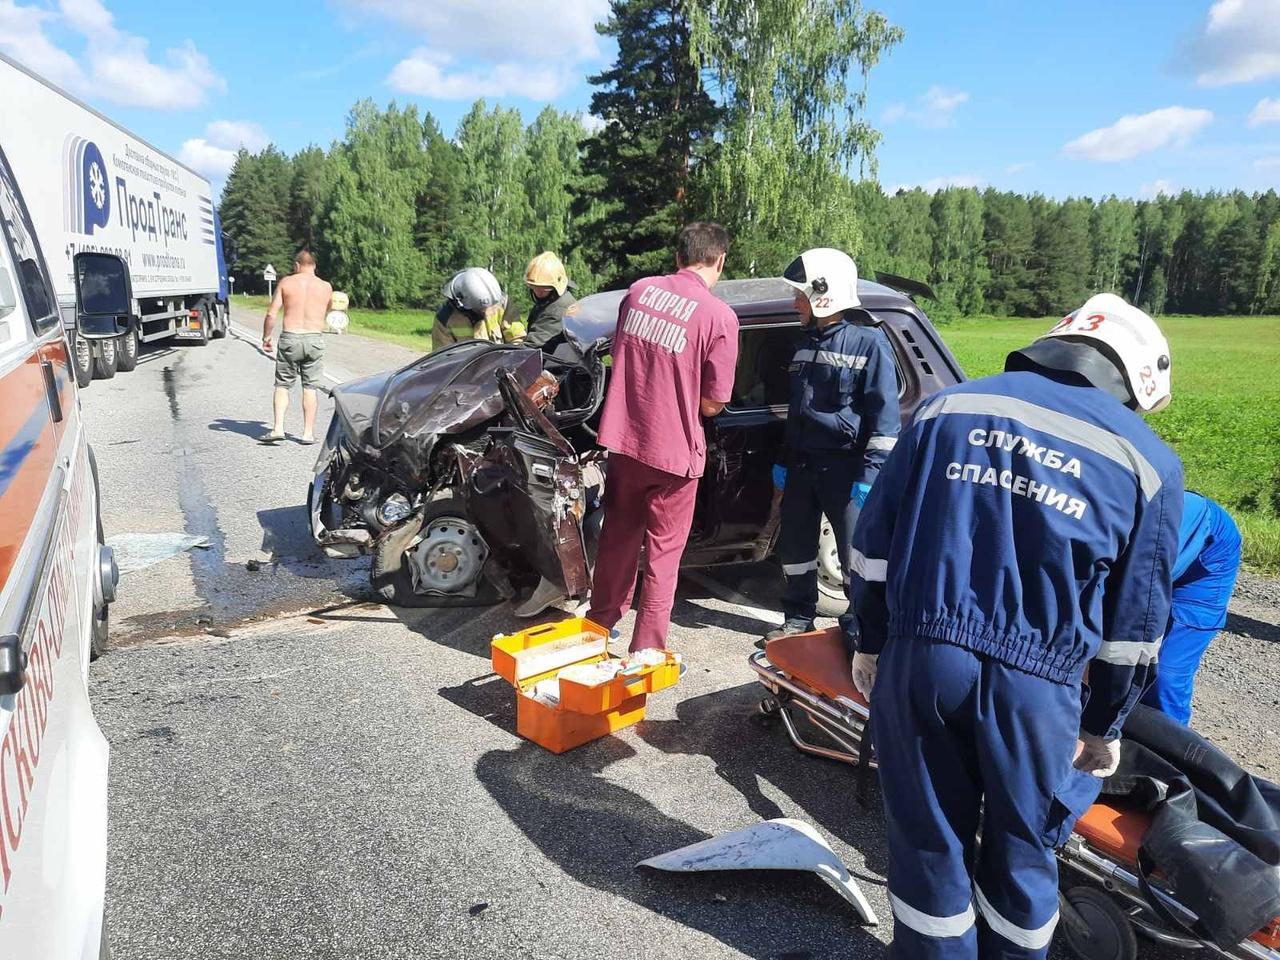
591	123
215	153
1239	42
1136	134
934	184
934	108
113	65
1266	111
471	48
1016	168
1157	188
426	73
1267	163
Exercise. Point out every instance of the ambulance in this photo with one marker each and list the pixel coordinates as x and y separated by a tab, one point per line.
56	582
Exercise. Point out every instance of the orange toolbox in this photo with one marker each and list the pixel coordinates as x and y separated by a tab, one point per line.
569	689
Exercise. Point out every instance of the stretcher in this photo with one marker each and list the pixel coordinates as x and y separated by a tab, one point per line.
810	689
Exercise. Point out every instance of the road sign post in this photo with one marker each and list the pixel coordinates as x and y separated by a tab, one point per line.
269	275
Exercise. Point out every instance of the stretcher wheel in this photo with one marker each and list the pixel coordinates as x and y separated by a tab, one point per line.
1109	934
770	713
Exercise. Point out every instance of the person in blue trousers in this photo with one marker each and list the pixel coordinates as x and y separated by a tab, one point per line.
842	422
1023	529
1203	577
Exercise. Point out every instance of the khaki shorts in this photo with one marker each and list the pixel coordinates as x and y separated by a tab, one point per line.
300	354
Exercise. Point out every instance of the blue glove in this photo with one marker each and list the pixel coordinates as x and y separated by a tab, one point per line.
859	494
779	476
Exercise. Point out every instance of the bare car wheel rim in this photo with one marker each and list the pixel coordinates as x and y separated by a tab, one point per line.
448	557
830	573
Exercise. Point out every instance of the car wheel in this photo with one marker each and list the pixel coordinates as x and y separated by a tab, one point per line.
127	348
104	359
82	360
435	560
832	601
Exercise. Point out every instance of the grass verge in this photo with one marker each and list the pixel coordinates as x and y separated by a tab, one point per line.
407	327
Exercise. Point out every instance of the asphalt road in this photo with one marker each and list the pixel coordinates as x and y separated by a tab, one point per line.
297	772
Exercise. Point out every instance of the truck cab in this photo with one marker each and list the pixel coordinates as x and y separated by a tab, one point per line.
56	581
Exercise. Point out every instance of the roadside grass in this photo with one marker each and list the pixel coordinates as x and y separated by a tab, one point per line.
405	326
1224	420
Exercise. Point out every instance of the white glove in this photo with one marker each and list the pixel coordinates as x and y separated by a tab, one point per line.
1097	756
864	673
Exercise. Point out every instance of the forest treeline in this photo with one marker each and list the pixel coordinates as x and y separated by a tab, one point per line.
750	112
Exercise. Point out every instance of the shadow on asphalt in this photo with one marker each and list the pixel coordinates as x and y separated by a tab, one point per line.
1255	629
596	830
253	429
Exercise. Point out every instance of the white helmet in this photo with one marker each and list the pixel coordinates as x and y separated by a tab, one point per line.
828	277
1130	339
474	289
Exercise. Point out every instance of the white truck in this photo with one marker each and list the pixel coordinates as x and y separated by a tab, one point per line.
92	186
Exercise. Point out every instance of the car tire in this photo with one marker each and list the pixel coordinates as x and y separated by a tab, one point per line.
832	601
127	349
102	615
391	578
105	359
81	360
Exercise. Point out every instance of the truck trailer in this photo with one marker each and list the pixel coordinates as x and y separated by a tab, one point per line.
93	186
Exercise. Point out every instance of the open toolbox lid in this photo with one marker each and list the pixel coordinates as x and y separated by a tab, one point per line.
526	658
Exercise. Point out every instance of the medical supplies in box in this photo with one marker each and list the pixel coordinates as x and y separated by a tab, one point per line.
569	690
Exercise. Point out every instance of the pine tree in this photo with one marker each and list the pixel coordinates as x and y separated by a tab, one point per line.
439	221
308	194
1008	245
254	211
659	125
1063	258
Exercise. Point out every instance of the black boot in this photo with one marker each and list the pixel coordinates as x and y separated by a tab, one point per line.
788	629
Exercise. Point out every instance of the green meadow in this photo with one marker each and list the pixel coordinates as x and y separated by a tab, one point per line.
1224	420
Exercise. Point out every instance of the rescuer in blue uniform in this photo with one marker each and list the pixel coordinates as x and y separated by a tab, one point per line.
842	422
1203	577
1022	531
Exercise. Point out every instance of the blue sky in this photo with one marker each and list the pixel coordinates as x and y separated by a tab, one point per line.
1065	98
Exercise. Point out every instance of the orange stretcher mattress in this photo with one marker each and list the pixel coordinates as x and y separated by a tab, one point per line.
818	661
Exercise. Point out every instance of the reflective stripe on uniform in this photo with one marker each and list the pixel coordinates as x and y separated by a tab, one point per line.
1129	653
929	925
795	569
830	358
871	570
882	443
1102	442
1036	939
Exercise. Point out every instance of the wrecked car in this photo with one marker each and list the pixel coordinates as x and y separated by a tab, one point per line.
475	469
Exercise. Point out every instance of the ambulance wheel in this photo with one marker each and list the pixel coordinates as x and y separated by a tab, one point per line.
832	601
105	359
450	555
82	360
1110	935
769	715
127	351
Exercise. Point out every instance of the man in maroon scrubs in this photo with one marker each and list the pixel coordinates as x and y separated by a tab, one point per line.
674	353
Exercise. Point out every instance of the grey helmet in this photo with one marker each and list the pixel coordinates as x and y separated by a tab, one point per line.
474	289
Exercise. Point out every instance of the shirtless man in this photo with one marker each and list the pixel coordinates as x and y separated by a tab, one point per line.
305	298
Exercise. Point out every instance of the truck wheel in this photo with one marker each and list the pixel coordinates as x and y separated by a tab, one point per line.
104	359
82	360
831	598
220	324
449	553
127	347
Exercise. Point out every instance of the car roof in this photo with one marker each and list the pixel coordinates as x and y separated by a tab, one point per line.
596	315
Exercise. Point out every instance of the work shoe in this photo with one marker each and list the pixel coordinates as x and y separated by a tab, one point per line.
544	595
788	629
